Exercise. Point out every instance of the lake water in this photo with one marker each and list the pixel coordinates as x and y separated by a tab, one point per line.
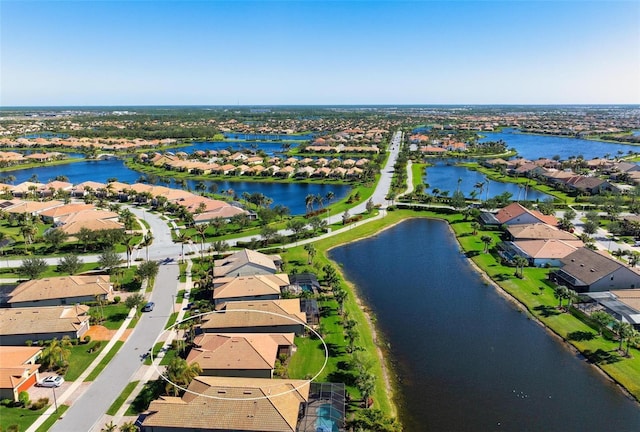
537	146
291	195
445	177
468	360
259	137
270	148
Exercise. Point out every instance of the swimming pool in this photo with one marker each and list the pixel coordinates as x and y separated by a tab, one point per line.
326	418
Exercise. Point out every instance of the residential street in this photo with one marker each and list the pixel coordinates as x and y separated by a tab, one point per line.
92	404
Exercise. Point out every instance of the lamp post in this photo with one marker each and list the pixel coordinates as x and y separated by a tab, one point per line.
55	400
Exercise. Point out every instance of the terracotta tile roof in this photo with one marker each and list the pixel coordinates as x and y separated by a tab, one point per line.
50	319
60	287
238	404
66	209
515	210
538	231
74	227
268	313
249	286
257	351
15	366
551	249
233	262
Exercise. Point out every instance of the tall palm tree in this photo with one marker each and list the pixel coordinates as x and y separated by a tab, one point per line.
603	320
311	252
201	229
309	200
520	262
181	373
56	353
487	240
183	237
128	241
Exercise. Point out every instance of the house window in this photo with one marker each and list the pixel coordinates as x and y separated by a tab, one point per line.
611	277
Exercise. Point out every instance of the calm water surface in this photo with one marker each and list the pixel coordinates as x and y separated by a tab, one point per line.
537	146
445	177
467	360
291	195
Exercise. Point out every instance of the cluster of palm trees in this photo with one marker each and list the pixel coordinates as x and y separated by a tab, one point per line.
624	330
310	200
562	292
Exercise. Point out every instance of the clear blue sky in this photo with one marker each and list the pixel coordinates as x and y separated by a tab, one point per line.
318	52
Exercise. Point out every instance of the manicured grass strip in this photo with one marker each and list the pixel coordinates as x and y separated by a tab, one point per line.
115	406
23	417
105	361
48	423
114	314
172	320
156	349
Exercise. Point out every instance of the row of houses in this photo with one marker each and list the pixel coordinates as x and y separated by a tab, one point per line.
238	347
591	273
8	158
202	208
551	172
106	144
257	166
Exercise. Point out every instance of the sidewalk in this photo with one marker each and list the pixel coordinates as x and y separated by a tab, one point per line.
76	384
147	373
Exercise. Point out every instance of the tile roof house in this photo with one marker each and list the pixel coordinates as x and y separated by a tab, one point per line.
516	214
250	355
18	325
18	370
540	253
247	262
230	404
258	287
586	271
63	290
265	316
538	231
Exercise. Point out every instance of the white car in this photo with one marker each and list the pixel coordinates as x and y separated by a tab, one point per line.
51	381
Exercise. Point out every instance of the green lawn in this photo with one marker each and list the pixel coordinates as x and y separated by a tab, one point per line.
115	314
115	406
48	423
80	359
23	417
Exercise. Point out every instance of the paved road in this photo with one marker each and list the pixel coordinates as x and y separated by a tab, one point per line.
163	246
89	408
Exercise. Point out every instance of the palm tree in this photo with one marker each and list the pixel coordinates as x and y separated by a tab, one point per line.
603	320
128	241
146	242
475	226
520	262
129	427
560	293
201	229
624	331
487	240
179	372
56	353
329	197
632	339
340	295
309	201
311	251
183	237
28	231
109	427
365	383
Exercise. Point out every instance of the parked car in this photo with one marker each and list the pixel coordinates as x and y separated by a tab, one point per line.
148	307
51	381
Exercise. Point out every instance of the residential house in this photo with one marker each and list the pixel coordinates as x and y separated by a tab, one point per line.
539	253
623	305
230	404
247	262
516	214
251	355
243	288
63	290
537	231
589	185
586	270
18	370
264	316
18	325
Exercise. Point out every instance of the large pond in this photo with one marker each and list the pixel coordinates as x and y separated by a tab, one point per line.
536	146
270	148
291	195
445	178
466	358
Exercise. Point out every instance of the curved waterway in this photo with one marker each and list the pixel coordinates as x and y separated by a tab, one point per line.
533	147
466	358
291	195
